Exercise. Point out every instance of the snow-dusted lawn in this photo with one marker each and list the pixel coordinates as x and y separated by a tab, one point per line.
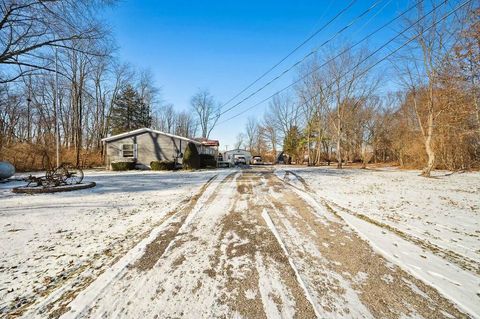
428	227
47	240
444	210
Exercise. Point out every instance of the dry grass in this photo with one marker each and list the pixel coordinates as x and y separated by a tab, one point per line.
31	157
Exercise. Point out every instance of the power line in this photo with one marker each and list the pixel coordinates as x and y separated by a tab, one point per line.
342	52
371	18
292	52
397	49
296	63
324	14
385	57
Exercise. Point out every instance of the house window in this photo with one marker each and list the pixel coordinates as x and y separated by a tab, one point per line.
128	150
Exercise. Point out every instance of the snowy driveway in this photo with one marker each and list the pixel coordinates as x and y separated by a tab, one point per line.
250	244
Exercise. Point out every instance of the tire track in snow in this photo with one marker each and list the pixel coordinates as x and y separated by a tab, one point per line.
305	238
272	228
166	240
160	245
462	297
79	306
56	303
250	265
462	261
133	293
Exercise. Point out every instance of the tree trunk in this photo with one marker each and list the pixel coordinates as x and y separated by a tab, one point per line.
339	142
429	147
475	98
477	108
339	150
365	157
309	163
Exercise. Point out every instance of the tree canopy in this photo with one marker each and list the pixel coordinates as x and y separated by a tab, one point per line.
129	112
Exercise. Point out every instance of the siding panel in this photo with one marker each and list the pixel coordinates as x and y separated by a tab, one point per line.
150	147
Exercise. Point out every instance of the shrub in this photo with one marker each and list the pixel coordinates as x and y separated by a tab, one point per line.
191	159
162	165
122	166
207	160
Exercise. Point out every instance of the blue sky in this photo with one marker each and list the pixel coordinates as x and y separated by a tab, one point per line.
225	45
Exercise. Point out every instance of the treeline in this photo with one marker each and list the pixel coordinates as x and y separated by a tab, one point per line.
58	65
341	113
419	108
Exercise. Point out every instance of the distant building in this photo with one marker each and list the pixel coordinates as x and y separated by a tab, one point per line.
280	158
146	145
229	156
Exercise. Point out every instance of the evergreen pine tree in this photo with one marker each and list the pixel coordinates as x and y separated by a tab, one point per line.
145	116
291	143
129	112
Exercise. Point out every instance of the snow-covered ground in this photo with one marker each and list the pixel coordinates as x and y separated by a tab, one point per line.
249	247
429	227
267	242
53	240
444	210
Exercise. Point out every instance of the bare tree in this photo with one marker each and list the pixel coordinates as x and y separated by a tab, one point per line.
351	85
185	125
149	93
314	94
240	141
282	114
122	74
467	54
207	111
270	134
251	129
369	120
428	55
260	146
28	27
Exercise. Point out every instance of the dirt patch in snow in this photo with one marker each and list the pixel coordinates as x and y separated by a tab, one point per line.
157	247
462	261
351	257
247	244
459	259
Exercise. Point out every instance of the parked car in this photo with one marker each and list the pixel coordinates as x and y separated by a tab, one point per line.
257	160
240	160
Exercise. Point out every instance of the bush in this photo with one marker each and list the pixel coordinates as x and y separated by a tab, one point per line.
207	160
162	165
122	166
191	159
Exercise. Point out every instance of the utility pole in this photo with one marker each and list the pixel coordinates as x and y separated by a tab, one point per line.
57	128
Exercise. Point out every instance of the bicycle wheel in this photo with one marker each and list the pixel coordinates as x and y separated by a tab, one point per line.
72	175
